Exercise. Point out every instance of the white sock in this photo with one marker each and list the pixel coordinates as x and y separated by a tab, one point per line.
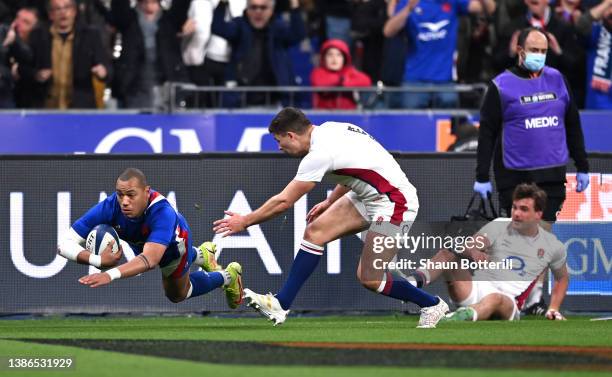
226	277
190	290
411	280
199	257
475	315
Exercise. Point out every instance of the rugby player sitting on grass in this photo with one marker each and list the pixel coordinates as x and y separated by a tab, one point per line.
521	240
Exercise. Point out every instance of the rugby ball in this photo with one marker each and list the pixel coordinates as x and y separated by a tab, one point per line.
99	238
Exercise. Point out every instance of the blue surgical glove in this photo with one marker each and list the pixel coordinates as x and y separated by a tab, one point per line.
582	180
483	188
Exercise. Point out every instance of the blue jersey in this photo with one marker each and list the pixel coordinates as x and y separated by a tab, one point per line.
600	48
160	223
432	30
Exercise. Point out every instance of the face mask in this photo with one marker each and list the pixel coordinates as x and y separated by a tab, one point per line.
534	62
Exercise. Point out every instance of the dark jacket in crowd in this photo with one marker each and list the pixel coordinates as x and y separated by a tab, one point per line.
280	37
368	18
169	63
335	8
87	51
21	54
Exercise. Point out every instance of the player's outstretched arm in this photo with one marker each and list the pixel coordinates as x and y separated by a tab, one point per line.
558	293
71	247
145	261
274	206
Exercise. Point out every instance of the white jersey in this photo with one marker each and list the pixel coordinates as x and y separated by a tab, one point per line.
347	155
530	256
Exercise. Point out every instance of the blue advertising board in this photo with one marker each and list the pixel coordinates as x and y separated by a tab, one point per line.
41	197
24	133
589	256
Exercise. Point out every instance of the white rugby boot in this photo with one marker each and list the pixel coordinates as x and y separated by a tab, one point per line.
266	305
431	315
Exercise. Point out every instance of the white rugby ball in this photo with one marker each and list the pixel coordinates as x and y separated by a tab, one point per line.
99	238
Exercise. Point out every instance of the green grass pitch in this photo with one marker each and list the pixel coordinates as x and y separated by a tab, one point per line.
249	346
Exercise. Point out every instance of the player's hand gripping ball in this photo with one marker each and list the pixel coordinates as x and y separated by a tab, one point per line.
100	237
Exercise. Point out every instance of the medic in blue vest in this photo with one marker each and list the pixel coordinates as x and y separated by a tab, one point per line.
530	125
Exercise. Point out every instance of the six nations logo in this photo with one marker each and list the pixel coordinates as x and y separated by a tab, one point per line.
538	97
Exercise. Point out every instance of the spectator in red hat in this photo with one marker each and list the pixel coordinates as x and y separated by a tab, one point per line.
336	70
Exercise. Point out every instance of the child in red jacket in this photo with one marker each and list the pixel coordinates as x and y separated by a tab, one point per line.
335	69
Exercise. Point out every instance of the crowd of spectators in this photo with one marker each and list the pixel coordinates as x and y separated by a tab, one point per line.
61	54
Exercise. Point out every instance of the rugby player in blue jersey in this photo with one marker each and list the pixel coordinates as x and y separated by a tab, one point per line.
158	235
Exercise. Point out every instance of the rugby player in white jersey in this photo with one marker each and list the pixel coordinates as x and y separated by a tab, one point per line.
372	193
499	293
